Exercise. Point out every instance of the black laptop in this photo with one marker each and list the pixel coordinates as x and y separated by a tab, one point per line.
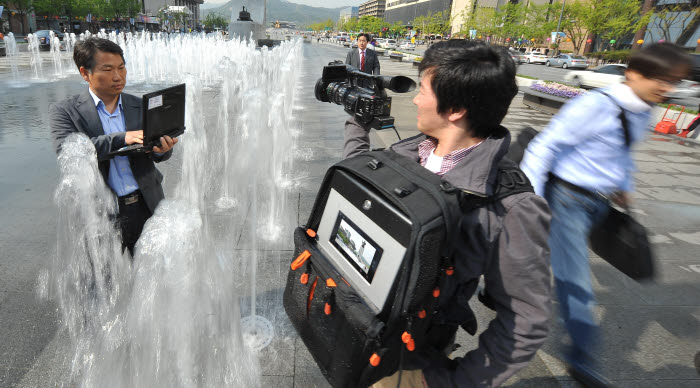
163	115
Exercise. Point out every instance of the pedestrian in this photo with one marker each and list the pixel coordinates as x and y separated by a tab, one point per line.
465	90
580	163
112	119
363	59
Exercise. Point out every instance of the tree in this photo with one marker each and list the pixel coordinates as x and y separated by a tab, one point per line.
215	20
19	8
670	17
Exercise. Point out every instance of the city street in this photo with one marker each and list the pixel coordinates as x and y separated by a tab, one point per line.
651	332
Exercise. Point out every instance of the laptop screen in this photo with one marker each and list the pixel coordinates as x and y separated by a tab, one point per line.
163	114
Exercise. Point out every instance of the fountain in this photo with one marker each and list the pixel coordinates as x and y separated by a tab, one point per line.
174	318
11	53
35	62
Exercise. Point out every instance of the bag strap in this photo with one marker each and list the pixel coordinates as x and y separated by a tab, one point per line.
623	119
511	180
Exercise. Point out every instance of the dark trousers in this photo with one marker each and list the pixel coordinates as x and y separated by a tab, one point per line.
133	214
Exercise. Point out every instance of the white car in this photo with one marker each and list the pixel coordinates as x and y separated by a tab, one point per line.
408	46
389	44
535	57
597	78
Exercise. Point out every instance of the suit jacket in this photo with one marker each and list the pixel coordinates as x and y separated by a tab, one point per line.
371	60
78	114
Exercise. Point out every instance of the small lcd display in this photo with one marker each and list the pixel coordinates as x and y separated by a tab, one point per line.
360	250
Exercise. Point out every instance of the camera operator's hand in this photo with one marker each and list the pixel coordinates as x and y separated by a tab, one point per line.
166	144
133	137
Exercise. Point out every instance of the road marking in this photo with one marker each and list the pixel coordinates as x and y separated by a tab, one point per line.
691	238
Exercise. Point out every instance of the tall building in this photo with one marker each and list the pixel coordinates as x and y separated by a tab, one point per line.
349	13
373	8
407	10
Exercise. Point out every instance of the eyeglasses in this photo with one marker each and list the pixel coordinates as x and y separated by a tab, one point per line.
673	83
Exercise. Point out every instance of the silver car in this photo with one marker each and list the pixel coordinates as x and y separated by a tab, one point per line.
568	61
517	56
685	89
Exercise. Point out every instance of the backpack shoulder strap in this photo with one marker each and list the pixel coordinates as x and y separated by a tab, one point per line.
511	180
623	119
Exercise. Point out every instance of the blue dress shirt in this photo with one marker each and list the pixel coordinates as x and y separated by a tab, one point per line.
584	143
121	179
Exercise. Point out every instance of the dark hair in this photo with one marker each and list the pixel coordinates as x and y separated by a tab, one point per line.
84	51
660	60
366	35
474	76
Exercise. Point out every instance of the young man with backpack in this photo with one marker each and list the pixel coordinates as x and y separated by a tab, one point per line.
580	163
466	89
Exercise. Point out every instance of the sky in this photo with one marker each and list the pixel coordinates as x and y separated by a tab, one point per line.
315	3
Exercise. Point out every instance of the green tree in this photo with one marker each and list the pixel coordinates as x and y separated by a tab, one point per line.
20	9
215	20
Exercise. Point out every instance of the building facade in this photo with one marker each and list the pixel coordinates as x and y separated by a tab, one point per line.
373	8
349	13
405	11
152	13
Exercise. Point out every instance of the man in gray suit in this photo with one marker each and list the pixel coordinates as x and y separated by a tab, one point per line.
362	58
112	119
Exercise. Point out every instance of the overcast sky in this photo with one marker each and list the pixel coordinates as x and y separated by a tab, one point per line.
315	3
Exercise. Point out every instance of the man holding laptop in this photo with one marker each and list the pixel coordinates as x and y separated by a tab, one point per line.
113	120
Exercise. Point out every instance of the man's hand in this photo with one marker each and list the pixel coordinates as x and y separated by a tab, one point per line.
166	144
134	137
622	199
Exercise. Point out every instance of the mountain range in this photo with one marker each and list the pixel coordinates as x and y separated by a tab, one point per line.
284	10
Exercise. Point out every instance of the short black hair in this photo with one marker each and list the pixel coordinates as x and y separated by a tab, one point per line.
474	76
660	60
84	51
366	35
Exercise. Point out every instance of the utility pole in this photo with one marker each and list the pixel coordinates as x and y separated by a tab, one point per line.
559	25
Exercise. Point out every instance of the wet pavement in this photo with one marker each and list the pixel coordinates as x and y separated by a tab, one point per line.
650	332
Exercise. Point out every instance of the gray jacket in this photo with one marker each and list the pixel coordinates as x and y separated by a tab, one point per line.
371	60
507	243
78	114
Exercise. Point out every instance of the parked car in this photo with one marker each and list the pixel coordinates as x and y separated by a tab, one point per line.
535	57
45	39
696	67
568	61
599	77
517	56
685	89
407	46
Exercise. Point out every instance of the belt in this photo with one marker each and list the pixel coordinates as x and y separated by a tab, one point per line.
130	198
593	194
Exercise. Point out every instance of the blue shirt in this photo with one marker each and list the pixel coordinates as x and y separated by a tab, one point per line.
121	179
584	143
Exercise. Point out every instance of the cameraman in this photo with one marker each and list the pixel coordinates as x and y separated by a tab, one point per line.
466	89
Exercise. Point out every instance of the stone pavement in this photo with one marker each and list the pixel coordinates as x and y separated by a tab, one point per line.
651	332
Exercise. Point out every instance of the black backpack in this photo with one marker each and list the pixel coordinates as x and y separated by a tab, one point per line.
353	345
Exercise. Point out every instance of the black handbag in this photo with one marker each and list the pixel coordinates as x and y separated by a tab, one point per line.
622	241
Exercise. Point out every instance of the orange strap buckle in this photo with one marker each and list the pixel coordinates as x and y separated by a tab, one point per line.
421	314
450	271
436	292
311	233
374	359
405	337
411	345
300	260
304	278
331	283
327	309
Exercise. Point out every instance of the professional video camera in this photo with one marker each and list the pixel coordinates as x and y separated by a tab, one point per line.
363	95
